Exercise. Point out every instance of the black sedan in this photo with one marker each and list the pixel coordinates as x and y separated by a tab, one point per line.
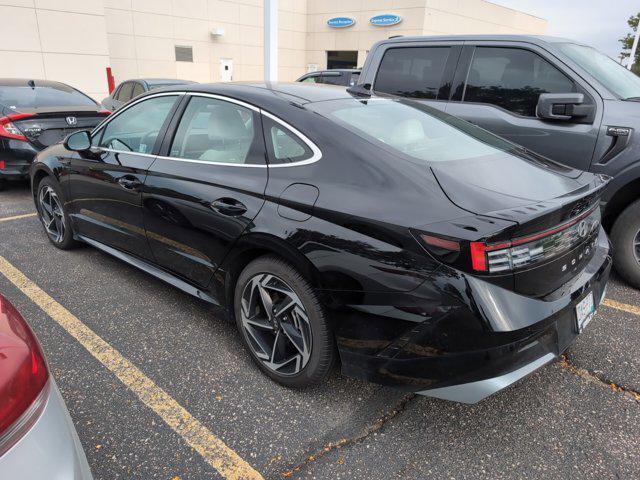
422	252
35	114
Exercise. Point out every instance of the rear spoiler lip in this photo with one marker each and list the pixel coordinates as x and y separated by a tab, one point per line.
530	219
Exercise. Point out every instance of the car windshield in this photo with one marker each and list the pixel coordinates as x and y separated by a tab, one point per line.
415	130
20	97
608	72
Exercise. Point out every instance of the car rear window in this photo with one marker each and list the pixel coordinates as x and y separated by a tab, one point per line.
17	97
412	129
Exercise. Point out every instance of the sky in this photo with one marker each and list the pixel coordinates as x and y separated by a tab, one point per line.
599	23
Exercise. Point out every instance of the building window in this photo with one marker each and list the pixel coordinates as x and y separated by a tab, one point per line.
184	53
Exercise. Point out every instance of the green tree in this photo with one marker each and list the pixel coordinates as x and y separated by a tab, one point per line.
627	42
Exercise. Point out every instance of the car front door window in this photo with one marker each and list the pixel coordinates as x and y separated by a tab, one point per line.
513	79
136	129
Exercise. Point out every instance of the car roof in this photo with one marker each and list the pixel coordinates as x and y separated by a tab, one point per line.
160	81
538	39
268	92
343	70
24	82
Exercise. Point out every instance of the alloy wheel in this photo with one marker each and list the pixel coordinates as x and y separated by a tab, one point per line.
51	213
636	246
276	324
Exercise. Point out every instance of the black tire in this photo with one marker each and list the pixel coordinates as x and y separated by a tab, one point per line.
3	184
624	235
323	353
64	241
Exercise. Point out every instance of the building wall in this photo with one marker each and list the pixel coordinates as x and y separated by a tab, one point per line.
75	40
58	40
142	35
419	17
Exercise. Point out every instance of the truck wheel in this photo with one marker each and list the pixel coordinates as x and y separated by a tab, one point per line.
625	237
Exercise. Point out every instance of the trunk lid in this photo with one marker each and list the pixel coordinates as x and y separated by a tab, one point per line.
49	125
540	197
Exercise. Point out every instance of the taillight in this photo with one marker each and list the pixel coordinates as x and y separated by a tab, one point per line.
105	112
23	376
9	130
521	252
524	251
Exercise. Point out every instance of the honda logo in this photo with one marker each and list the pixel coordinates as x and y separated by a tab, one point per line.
72	121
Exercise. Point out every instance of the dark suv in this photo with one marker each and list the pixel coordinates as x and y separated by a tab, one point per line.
559	98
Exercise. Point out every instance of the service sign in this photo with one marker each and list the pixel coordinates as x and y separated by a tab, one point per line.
340	22
385	20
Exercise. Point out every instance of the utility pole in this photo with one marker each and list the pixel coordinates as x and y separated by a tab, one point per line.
270	40
632	57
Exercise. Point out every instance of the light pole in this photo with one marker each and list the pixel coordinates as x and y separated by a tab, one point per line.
270	40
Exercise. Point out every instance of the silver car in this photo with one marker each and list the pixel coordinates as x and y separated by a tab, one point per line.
37	438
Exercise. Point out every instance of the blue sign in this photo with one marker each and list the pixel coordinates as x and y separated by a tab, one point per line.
340	22
385	20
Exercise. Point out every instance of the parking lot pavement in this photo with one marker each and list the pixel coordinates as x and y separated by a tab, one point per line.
561	421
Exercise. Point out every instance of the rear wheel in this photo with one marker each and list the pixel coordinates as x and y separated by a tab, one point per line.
53	216
3	184
283	324
625	237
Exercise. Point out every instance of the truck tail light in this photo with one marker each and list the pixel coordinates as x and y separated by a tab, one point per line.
23	377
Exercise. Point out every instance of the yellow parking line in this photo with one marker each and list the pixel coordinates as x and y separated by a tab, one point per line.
227	462
621	306
17	217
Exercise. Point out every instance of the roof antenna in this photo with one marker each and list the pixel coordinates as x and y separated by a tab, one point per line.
31	83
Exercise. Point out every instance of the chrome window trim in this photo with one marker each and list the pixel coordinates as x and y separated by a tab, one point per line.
317	153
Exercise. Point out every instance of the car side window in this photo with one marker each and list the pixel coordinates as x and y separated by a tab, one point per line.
124	94
137	90
513	78
413	72
333	79
284	145
136	128
216	131
311	79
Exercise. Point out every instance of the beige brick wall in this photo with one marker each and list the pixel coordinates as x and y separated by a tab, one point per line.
142	35
62	40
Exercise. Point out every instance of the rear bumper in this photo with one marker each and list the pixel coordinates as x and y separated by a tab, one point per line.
18	157
50	449
462	339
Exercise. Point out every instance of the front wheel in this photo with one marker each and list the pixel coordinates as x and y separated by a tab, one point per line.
625	237
283	324
53	216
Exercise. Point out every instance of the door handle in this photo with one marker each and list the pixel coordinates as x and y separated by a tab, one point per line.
228	206
129	182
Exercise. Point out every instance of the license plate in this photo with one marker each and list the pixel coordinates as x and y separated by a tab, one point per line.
585	310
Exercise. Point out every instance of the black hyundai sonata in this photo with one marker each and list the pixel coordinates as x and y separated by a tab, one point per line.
35	114
421	251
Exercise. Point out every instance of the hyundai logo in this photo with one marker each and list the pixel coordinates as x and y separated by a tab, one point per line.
583	229
71	121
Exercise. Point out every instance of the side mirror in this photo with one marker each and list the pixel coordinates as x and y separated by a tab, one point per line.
563	106
79	141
